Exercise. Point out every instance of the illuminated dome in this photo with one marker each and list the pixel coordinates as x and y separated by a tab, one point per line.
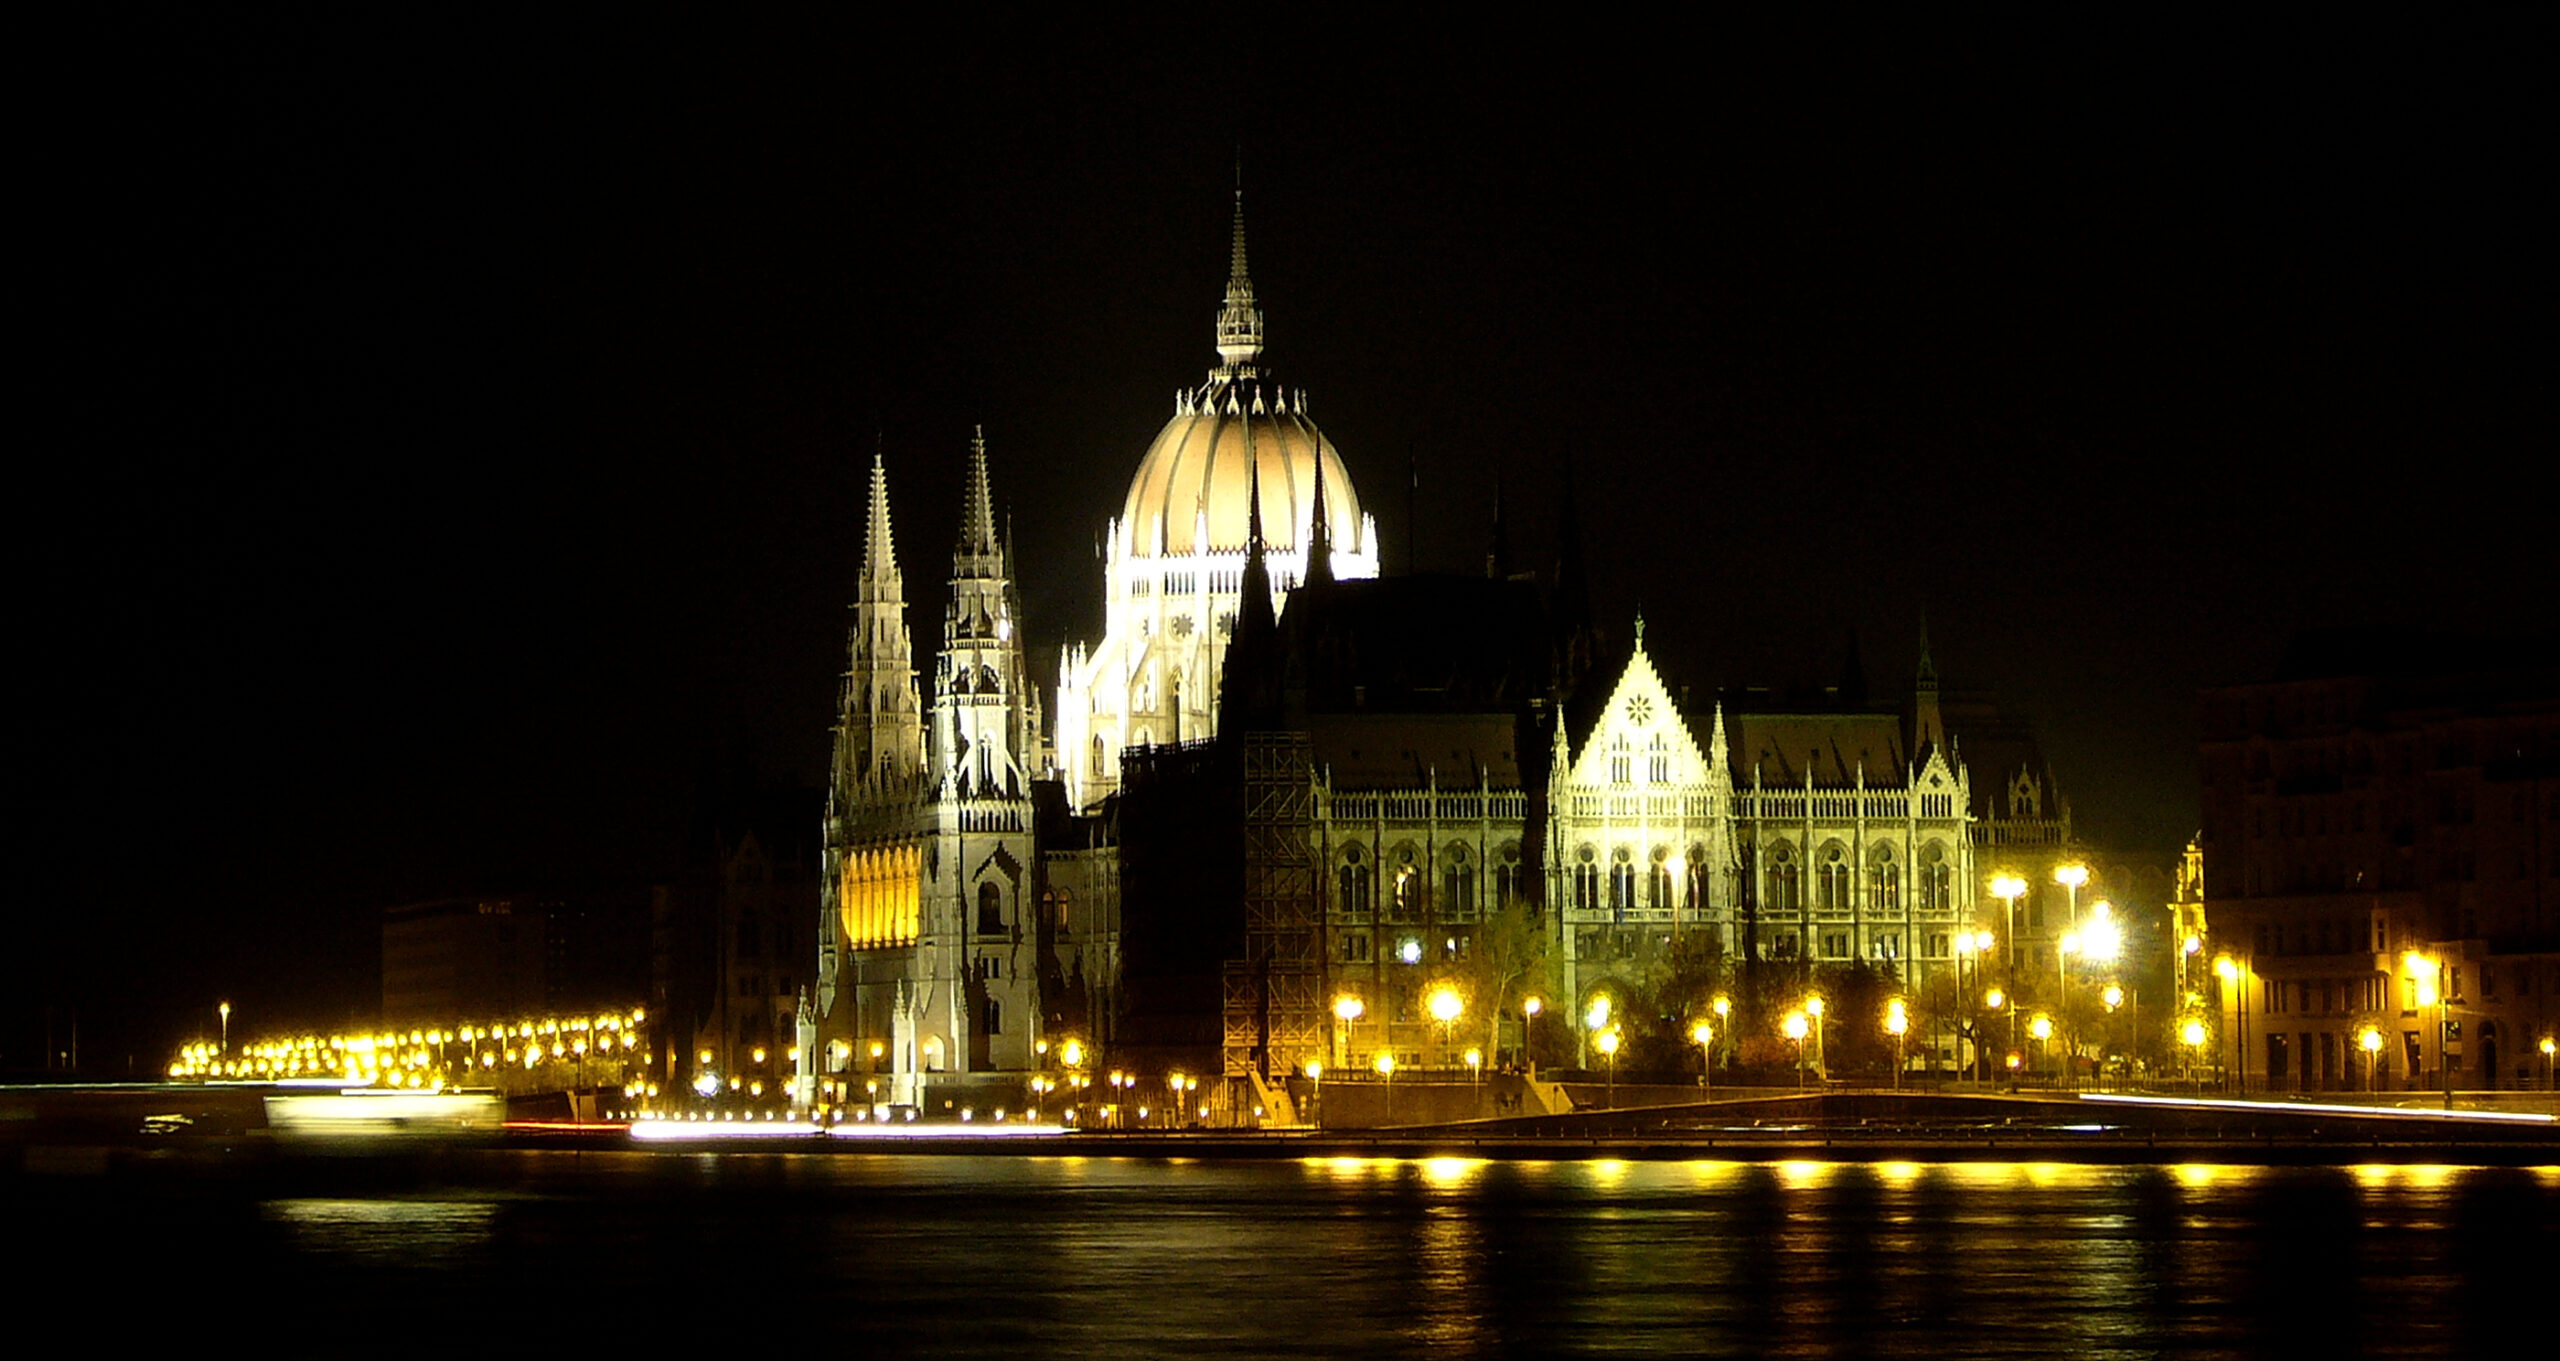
1199	474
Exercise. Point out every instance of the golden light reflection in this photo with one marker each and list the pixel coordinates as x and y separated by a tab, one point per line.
1804	1175
1451	1172
1898	1174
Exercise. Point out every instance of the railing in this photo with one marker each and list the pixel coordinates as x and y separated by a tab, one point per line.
1423	806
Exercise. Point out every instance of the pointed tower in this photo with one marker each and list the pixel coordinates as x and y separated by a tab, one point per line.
1249	693
1319	533
978	727
879	732
1239	321
1928	729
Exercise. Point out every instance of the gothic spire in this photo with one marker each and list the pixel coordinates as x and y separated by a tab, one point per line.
977	506
1320	532
1497	555
1239	322
879	555
1249	692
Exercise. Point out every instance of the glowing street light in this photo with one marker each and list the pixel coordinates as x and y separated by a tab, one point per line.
1346	1009
2228	970
1609	1045
1703	1035
1445	1005
2072	878
1821	1053
2009	888
1796	1028
2370	1041
2428	973
1896	1021
1530	1006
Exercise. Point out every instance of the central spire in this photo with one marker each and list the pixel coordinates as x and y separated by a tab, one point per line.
1239	322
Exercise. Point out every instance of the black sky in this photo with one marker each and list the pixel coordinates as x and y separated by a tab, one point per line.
456	428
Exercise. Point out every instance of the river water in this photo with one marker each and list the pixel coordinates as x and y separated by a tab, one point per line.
753	1254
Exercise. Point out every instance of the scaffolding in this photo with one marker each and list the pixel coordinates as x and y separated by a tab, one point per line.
1274	1008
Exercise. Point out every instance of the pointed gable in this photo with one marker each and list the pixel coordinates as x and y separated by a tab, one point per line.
1640	736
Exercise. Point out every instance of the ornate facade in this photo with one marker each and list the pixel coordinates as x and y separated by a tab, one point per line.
1403	760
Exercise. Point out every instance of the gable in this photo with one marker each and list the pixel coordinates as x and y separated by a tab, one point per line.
1639	735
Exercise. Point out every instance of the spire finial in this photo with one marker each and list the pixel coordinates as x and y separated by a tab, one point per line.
977	507
879	555
1239	322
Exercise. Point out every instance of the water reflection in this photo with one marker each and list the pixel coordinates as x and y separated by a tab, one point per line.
1453	1256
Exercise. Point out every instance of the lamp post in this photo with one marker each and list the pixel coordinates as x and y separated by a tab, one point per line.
1896	1021
2009	888
2042	1028
1530	1006
2072	877
1996	1000
1821	1058
1609	1046
2193	1034
2370	1041
1315	1099
1445	1007
1346	1009
1704	1036
225	1011
2428	973
2548	1047
1723	1008
1385	1064
1595	1017
1475	1066
1796	1029
2228	970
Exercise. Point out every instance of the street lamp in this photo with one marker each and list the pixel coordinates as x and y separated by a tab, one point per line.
1475	1065
2193	1034
225	1010
1704	1036
1530	1006
2428	973
1385	1064
1997	1000
2228	970
1896	1021
2370	1041
1609	1046
2042	1029
1445	1006
2009	888
2072	877
1821	1056
1346	1009
2548	1046
1797	1028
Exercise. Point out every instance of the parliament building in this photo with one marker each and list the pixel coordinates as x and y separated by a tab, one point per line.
1279	779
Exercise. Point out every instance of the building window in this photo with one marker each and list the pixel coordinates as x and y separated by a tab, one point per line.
990	910
1619	761
1934	880
1785	881
1835	945
1622	881
1358	882
1659	758
1586	880
1355	947
1884	882
1408	885
1888	946
991	1017
1506	875
1457	885
1835	880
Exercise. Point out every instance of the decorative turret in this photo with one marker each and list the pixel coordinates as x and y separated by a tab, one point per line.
879	721
1239	322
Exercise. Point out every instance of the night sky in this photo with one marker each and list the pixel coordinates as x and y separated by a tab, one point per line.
452	433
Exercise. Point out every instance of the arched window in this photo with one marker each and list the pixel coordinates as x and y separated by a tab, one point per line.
1622	880
1408	885
1619	760
1506	875
1933	879
1659	761
1657	887
1097	758
1884	881
1358	882
990	910
1457	885
1835	880
1785	879
1586	879
1695	875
